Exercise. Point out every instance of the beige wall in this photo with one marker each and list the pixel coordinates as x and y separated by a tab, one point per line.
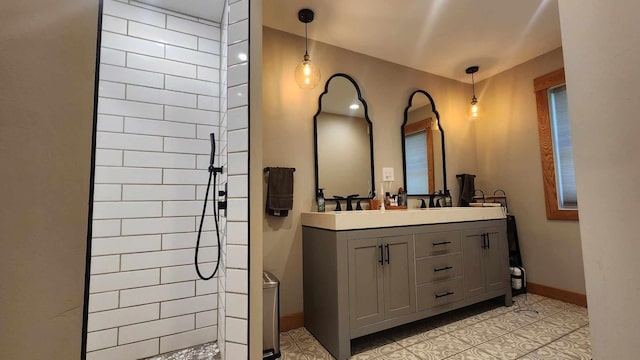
288	134
509	159
46	111
601	49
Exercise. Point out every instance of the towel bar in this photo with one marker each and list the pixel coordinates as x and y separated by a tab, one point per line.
269	168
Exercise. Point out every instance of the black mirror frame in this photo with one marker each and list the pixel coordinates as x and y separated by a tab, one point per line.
404	123
366	117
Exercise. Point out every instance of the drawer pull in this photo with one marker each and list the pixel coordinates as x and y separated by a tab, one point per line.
443	295
442	243
443	268
381	256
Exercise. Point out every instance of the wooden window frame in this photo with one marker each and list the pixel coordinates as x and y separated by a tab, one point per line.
425	125
541	86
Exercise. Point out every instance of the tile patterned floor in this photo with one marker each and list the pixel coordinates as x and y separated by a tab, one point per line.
485	331
208	351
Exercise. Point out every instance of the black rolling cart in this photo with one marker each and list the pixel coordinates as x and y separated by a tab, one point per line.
518	276
515	259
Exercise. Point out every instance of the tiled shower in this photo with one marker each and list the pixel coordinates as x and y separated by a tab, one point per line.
167	80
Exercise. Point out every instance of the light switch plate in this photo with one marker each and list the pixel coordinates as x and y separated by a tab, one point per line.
387	174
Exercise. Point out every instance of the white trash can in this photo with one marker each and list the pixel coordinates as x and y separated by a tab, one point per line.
271	316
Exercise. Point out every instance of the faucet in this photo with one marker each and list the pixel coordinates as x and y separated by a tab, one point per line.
431	198
349	198
338	198
435	200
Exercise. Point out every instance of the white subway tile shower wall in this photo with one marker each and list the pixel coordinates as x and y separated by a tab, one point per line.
222	77
233	321
159	97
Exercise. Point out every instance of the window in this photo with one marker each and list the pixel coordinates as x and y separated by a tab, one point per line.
419	157
555	147
417	166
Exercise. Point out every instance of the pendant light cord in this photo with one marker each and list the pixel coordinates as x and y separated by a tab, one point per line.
473	87
306	40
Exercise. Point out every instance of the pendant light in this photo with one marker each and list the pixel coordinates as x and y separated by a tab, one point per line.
474	101
307	75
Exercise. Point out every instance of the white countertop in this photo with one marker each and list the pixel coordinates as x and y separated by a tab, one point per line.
366	219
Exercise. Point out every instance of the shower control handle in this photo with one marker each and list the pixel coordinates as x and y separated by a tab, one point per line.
222	204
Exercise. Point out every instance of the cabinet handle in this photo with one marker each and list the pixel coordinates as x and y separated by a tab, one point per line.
488	241
388	257
442	243
381	261
484	241
442	268
443	295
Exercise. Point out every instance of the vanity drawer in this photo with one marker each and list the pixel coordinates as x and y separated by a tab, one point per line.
437	243
438	268
441	293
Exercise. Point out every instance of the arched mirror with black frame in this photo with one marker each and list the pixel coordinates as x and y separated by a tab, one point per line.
423	155
343	138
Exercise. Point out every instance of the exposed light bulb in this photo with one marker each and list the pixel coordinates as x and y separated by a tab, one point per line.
307	75
474	100
474	109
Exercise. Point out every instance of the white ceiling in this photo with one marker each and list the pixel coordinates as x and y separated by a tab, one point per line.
205	9
441	37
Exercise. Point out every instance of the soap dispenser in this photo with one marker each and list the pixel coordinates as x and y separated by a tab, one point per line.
402	197
320	199
447	198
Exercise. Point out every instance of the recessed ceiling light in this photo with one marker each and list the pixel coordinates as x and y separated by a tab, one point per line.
354	106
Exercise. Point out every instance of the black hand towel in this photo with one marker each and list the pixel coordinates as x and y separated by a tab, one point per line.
280	191
467	188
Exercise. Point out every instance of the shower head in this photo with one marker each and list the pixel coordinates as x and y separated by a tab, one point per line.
213	148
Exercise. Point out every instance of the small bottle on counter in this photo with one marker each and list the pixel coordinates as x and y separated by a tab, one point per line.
402	197
387	199
447	198
320	200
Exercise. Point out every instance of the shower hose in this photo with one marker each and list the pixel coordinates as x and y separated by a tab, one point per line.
213	171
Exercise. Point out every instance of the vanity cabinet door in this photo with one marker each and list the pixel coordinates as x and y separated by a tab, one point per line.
495	260
399	276
366	288
472	249
485	260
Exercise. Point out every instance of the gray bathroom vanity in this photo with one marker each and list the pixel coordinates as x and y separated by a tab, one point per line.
367	271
